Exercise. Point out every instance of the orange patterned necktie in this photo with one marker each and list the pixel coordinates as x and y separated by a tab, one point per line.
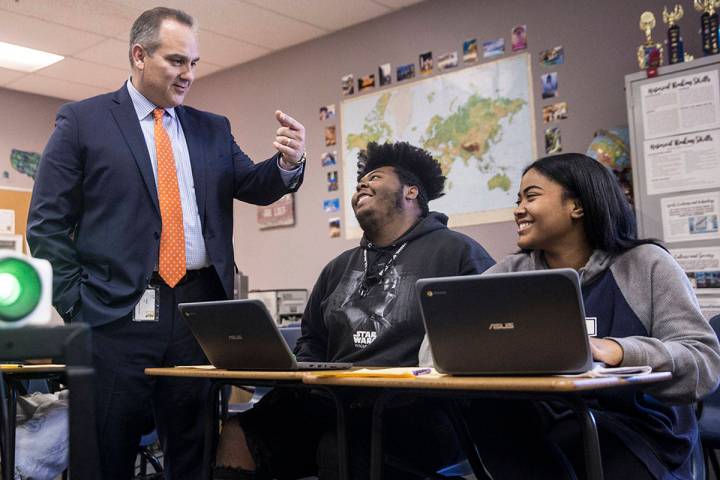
172	240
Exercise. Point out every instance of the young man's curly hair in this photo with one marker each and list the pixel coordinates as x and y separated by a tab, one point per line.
413	165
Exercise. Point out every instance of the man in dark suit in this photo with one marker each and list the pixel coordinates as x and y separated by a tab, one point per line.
133	206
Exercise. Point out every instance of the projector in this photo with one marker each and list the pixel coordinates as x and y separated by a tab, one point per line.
25	290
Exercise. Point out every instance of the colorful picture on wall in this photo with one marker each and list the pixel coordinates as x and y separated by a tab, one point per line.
493	48
556	111
331	205
549	84
332	178
330	138
470	50
553	143
328	159
334	225
426	63
405	72
447	60
366	82
518	38
552	56
24	162
347	84
327	112
385	74
278	214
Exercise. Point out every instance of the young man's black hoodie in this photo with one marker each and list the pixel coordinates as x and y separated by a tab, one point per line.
372	317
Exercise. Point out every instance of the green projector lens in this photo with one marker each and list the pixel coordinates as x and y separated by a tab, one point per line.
20	289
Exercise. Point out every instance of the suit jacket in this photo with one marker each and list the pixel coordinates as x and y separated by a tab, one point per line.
94	211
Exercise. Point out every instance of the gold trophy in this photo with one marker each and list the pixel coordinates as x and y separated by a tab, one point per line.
649	53
708	24
676	50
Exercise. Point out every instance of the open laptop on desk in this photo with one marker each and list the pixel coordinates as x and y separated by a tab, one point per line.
241	335
523	323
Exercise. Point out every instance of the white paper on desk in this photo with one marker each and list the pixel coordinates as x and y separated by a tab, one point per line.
601	371
198	367
394	372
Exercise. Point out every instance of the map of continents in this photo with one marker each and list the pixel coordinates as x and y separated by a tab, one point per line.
477	122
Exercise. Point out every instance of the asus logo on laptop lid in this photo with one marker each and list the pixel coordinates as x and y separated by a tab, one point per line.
235	337
502	326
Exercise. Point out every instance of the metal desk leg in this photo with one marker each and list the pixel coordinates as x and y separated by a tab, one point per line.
211	427
341	433
12	414
463	433
591	443
376	453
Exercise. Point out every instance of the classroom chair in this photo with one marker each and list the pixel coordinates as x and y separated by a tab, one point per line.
709	421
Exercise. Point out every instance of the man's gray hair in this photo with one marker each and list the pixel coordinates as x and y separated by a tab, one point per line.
146	29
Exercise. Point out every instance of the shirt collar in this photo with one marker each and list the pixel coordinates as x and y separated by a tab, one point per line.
143	106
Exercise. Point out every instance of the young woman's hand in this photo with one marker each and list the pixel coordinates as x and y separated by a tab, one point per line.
607	351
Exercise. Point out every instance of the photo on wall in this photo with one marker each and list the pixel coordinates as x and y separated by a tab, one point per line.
334	227
425	60
328	159
447	61
332	179
331	205
549	84
405	72
347	83
470	50
518	38
555	111
552	56
493	48
330	138
366	82
327	112
553	143
385	74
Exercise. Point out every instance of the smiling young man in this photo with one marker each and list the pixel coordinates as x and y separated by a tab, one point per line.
363	310
133	205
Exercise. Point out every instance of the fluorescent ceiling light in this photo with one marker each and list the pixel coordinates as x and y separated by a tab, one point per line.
15	57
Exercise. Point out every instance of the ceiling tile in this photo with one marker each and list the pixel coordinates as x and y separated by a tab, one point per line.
104	18
54	88
42	35
7	76
241	20
397	4
111	52
86	73
226	51
326	14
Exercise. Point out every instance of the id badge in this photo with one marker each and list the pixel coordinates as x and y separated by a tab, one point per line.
591	326
148	308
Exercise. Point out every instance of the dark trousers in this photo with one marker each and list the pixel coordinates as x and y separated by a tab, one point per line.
126	397
520	440
292	434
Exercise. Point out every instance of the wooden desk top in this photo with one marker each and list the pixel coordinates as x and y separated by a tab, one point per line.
212	372
438	382
508	384
10	368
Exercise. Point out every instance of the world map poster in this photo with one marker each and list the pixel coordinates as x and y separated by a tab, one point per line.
478	122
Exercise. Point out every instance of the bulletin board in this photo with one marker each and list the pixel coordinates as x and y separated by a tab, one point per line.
18	201
675	140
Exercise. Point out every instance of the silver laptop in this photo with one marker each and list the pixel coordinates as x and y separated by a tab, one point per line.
241	335
523	323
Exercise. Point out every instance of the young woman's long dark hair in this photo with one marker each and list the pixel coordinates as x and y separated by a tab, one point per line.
608	220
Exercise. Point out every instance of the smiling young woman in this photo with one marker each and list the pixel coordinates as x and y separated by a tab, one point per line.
571	213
